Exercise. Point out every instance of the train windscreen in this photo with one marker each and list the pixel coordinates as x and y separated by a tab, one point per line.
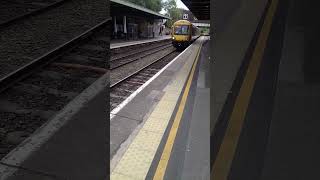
181	30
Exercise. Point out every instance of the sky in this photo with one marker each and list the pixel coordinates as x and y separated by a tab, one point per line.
179	5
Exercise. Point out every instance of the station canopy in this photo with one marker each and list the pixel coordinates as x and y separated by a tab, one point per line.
199	8
124	8
201	23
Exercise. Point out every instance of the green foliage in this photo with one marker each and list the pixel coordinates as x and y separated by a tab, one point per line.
170	6
155	5
204	29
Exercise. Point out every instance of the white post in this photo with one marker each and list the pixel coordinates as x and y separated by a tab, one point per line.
115	24
124	24
154	28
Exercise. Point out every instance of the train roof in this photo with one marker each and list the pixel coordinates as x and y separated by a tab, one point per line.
182	22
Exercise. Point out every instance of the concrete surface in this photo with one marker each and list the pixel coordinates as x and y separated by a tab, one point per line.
279	138
230	45
190	157
293	148
196	164
114	45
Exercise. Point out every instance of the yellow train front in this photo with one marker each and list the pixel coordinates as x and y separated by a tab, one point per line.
183	33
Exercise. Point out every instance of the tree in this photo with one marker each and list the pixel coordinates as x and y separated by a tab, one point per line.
138	2
155	5
170	6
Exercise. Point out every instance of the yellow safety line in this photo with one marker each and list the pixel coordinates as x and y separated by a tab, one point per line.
161	169
222	164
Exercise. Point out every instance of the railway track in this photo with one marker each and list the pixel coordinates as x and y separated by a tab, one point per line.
122	89
34	93
136	64
136	55
122	52
14	10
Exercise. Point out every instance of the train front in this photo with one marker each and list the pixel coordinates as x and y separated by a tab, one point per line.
181	34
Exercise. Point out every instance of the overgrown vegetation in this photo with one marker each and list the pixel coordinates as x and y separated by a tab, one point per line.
170	6
155	5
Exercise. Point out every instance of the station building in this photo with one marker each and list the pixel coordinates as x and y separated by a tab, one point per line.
131	21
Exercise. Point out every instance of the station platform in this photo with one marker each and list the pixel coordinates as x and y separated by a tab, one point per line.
118	44
159	133
267	127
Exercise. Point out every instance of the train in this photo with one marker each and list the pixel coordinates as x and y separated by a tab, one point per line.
183	33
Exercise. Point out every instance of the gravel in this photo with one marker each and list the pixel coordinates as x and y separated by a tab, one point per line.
116	63
10	9
86	55
16	137
62	84
37	100
124	71
22	111
130	50
123	90
15	128
37	35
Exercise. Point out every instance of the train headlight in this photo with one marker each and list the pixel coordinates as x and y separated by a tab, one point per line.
173	38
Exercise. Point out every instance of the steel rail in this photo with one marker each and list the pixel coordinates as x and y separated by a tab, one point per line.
135	59
31	13
141	69
26	70
137	52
